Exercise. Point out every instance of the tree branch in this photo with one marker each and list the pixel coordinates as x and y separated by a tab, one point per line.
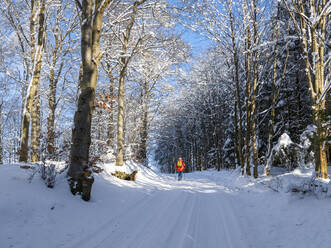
79	4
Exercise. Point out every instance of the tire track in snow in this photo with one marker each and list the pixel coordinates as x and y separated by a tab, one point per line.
148	230
190	215
100	230
231	227
203	229
118	230
192	231
180	222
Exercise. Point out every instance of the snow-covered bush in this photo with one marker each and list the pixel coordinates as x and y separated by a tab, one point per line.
48	174
48	170
285	153
289	154
302	181
313	185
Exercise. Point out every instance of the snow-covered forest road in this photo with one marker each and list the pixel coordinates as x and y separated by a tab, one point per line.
189	214
206	210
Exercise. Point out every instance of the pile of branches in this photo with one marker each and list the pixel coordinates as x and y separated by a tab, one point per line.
126	176
314	186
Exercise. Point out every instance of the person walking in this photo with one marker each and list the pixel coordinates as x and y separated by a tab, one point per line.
180	166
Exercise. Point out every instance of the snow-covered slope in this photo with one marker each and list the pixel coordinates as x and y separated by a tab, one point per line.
208	209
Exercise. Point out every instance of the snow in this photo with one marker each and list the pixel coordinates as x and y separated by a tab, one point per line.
281	103
207	209
284	140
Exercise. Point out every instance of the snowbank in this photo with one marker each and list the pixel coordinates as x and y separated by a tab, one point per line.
32	215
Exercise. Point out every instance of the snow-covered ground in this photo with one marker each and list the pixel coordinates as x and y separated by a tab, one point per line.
208	209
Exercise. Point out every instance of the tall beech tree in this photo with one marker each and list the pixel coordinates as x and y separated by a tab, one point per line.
32	92
121	90
310	19
239	132
248	46
91	14
255	55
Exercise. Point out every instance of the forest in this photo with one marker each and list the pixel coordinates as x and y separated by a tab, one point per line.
231	86
81	80
84	79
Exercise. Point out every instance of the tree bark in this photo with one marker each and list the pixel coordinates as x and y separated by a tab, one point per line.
92	19
53	81
110	132
121	91
238	100
35	129
120	121
255	82
235	142
35	111
316	84
34	85
248	95
51	114
274	96
142	150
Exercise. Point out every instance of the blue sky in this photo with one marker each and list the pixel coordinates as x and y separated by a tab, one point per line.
198	42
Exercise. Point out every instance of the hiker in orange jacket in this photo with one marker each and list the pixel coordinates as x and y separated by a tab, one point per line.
180	166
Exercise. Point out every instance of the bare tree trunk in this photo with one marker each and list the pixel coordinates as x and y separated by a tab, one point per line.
120	120
255	82
91	25
253	123
35	111
124	63
236	143
321	132
110	132
51	114
238	100
34	85
53	81
274	96
81	133
142	150
35	129
316	84
248	95
92	19
248	134
33	21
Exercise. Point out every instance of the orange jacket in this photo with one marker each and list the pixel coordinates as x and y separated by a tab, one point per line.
180	165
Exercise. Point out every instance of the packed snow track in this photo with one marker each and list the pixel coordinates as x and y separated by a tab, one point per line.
191	214
206	210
